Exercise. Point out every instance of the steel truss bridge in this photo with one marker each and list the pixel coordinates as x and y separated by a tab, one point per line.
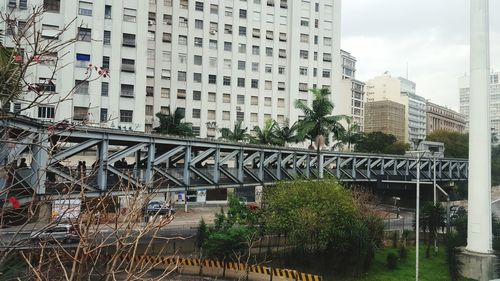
170	163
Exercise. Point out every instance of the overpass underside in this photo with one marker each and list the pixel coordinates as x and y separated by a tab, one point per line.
165	163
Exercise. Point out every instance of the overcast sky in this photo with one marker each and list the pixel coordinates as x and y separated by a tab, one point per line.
432	36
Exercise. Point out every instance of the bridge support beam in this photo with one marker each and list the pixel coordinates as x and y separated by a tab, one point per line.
40	162
102	159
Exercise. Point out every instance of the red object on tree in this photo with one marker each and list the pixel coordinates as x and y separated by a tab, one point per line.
18	58
15	203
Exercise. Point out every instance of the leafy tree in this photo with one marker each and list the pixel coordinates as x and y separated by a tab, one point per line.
376	142
434	217
287	134
266	134
318	119
238	134
202	234
397	148
10	75
456	145
172	124
352	135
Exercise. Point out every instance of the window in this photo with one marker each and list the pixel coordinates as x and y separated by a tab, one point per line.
212	44
327	57
164	109
107	37
268	101
304	38
240	116
229	11
226	81
127	91
128	65
304	22
303	70
240	99
256	33
281	102
256	16
226	115
269	51
196	114
181	76
183	22
327	41
242	48
255	83
105	62
242	31
151	55
183	4
46	112
211	114
80	113
269	35
128	40
212	79
281	86
52	5
196	95
104	115
198	42
304	54
181	94
197	77
254	117
165	74
243	14
167	19
129	15
104	89
303	87
212	97
82	60
282	53
326	73
268	85
214	9
228	29
150	91
315	56
228	46
149	110
316	39
167	37
182	58
85	8
126	116
282	37
241	65
165	93
198	6
212	61
107	11
281	69
315	72
226	98
182	40
268	68
151	35
255	66
198	24
227	63
255	50
198	60
84	34
241	82
254	100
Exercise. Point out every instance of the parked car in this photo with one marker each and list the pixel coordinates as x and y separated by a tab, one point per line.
158	208
64	233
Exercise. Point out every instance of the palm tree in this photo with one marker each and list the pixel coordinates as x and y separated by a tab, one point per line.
434	217
265	135
352	134
319	122
172	124
286	134
238	134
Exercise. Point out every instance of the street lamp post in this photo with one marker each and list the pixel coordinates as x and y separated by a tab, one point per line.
419	155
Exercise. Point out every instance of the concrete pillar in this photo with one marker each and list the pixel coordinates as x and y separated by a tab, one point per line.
102	170
39	163
479	213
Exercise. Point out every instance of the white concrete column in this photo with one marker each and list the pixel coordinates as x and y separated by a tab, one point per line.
479	222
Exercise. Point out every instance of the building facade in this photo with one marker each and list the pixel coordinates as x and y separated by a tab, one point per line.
351	101
386	116
220	62
442	118
403	91
464	88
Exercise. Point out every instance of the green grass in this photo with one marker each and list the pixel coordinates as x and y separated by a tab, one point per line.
432	269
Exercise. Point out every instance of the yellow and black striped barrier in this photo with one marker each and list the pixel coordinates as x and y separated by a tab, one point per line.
289	274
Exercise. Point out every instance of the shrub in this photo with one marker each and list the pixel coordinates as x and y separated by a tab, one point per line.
452	242
403	252
392	261
395	239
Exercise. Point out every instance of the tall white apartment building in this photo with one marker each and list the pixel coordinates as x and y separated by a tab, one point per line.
351	101
220	61
465	97
402	91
